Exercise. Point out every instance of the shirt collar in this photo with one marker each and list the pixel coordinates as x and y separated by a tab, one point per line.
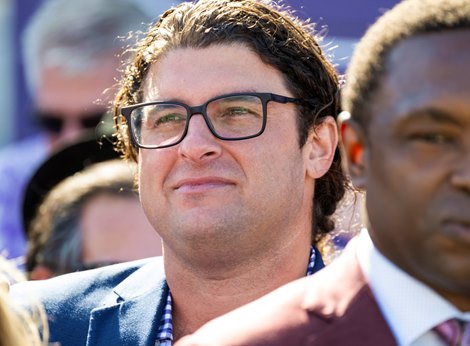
165	329
410	307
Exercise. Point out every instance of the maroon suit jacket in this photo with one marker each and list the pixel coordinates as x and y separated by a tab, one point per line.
333	307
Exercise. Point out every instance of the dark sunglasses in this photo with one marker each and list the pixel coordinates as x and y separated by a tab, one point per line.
54	122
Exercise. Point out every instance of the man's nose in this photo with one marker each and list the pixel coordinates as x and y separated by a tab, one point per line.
461	176
199	144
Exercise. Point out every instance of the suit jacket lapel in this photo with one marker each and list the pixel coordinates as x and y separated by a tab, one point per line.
131	313
347	305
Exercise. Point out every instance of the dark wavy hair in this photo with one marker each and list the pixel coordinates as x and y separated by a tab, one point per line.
370	61
280	39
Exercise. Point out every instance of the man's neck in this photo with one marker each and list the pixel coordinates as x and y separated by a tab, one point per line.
199	297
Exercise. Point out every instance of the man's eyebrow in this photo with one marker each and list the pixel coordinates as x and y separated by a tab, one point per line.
431	113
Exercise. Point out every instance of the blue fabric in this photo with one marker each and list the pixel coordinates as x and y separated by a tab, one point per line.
116	305
318	262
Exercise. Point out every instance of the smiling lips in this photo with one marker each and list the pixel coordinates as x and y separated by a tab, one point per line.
198	185
458	229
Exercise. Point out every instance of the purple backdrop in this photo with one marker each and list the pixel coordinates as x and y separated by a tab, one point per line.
345	18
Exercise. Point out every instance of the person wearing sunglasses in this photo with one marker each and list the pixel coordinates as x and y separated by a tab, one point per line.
60	125
229	109
70	56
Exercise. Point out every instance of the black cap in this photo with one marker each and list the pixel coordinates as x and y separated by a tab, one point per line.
61	164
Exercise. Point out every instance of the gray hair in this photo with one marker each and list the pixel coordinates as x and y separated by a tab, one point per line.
73	35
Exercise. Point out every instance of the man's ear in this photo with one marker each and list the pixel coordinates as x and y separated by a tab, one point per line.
353	149
320	147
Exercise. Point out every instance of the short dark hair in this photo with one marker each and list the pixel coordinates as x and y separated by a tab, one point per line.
279	38
407	19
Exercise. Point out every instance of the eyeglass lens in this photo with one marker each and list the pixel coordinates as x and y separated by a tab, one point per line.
228	117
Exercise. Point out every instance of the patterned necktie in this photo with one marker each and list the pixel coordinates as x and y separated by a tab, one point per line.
454	332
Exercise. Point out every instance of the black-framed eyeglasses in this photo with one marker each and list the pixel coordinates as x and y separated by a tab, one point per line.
54	122
231	117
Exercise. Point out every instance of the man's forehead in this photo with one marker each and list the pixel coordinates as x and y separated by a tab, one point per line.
215	70
426	71
436	45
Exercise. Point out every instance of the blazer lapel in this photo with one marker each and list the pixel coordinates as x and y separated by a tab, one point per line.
347	305
131	313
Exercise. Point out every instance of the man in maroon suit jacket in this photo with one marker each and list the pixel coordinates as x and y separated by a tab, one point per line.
406	136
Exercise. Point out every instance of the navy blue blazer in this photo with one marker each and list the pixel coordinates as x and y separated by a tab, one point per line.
116	305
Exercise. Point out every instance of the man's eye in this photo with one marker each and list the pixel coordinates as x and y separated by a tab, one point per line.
434	138
238	111
234	111
169	119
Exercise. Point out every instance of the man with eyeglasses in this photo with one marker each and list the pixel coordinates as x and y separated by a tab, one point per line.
70	55
229	109
405	280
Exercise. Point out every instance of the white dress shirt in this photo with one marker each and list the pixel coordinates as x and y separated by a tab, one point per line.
410	307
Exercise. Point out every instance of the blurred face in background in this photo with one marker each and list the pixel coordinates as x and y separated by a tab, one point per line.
418	166
69	102
115	229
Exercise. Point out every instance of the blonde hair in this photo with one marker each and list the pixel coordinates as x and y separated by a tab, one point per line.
17	327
